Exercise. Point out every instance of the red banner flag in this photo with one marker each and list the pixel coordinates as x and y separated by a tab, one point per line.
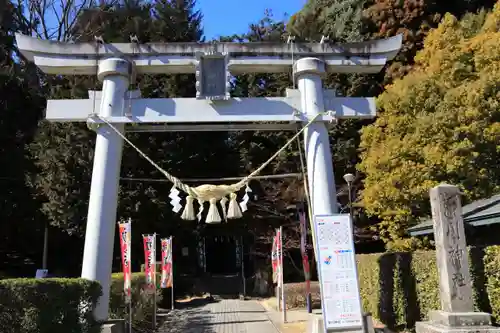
150	260
274	259
279	250
166	263
124	231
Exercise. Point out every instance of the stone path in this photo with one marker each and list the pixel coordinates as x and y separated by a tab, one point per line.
222	316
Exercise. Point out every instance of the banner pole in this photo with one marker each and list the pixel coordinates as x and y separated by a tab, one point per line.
172	270
130	315
278	297
172	292
283	302
129	291
278	279
243	268
154	310
154	282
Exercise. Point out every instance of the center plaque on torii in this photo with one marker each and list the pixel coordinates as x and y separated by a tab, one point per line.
212	76
211	109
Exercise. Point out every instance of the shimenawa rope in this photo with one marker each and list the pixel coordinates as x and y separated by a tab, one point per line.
209	192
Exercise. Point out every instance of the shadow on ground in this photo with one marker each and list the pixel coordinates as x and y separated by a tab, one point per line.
196	302
188	317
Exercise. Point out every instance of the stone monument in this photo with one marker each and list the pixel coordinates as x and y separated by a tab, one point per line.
455	283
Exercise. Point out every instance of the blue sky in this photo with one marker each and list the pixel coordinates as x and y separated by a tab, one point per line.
227	17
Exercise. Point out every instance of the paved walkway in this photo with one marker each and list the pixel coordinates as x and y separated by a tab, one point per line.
223	316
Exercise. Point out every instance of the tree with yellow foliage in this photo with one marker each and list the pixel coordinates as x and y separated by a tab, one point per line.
439	123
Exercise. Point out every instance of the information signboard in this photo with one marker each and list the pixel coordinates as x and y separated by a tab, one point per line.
41	273
340	297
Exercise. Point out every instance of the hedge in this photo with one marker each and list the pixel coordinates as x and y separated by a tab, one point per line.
48	305
401	288
65	305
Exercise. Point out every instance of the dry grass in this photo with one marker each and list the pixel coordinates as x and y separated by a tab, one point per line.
295	294
293	327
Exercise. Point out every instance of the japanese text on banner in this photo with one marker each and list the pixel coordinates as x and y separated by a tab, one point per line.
166	263
150	260
275	258
124	231
280	257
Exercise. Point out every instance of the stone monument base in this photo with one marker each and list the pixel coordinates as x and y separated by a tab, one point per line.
428	327
457	322
460	318
316	325
114	326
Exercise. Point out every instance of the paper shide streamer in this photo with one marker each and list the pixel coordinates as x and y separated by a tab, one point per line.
230	208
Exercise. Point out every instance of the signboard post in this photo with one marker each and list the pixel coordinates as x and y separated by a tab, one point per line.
340	298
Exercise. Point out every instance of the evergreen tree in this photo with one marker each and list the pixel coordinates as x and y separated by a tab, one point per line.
179	20
340	20
64	152
21	226
256	147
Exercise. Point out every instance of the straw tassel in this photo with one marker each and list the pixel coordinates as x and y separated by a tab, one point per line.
213	213
234	211
188	212
223	203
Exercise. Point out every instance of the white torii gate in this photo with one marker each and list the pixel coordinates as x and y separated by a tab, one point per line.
212	109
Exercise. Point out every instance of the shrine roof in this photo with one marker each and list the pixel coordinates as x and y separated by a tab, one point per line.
477	213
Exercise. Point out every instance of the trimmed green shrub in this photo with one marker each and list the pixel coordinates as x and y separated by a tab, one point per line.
492	269
142	300
399	289
368	271
48	305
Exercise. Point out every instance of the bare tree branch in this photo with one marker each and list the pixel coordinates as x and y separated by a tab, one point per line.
299	270
74	11
51	19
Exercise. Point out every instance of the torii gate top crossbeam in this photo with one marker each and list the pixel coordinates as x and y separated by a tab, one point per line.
82	58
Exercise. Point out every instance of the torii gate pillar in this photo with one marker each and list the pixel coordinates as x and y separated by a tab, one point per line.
321	180
101	218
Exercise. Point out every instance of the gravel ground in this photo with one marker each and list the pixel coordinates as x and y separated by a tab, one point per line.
218	316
